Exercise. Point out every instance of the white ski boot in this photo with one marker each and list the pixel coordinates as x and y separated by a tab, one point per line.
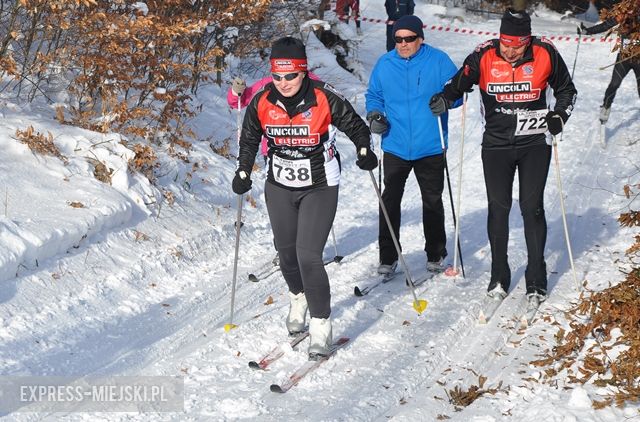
604	114
297	313
436	266
497	293
320	338
387	270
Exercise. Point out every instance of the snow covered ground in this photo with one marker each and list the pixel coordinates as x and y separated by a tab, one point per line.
127	284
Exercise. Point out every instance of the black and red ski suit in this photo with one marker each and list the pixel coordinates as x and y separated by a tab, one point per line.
622	66
303	175
514	106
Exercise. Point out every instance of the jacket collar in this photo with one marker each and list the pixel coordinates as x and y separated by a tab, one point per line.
307	101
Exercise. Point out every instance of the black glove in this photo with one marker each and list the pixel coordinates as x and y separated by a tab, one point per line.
241	183
367	159
582	29
439	104
378	124
555	121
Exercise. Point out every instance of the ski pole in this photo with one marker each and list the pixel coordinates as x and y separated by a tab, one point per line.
575	60
231	325
336	258
418	304
238	120
446	169
564	216
453	271
380	160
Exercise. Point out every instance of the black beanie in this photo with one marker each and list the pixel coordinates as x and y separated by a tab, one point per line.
410	22
288	55
517	23
288	48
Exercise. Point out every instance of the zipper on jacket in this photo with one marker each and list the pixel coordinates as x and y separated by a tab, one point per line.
512	136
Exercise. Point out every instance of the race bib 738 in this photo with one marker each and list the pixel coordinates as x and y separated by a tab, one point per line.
293	173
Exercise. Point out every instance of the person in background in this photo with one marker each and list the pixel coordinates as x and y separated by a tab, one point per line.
395	10
298	116
620	69
397	98
513	74
343	8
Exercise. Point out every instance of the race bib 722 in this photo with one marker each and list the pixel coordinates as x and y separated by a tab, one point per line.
531	122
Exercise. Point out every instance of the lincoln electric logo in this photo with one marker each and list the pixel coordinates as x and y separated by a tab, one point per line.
284	64
518	92
292	135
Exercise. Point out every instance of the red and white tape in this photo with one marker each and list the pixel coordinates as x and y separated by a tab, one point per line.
467	31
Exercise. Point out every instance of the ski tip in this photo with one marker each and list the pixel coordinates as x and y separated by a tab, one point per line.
482	319
357	291
341	341
253	278
275	388
254	365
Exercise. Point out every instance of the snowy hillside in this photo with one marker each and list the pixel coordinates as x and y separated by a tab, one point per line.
129	284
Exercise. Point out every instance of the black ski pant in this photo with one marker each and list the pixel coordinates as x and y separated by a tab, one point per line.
620	70
391	42
532	163
301	221
429	172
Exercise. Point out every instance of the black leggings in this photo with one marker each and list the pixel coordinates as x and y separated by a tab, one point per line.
301	222
429	172
532	163
620	70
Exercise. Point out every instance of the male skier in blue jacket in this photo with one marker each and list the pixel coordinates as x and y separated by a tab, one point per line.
400	87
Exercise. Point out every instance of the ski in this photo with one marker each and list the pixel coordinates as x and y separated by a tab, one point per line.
385	279
488	308
423	279
265	271
380	281
335	259
306	368
603	133
277	352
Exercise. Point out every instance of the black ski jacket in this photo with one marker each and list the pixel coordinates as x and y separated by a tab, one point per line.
302	144
514	97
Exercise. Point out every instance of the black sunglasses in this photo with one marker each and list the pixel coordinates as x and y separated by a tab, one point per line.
410	38
287	77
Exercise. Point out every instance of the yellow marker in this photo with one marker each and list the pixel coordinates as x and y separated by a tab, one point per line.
229	327
420	305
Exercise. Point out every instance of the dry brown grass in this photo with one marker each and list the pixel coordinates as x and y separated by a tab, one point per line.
145	161
39	143
101	171
603	346
463	398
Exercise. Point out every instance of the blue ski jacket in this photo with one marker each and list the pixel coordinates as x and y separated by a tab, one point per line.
401	89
